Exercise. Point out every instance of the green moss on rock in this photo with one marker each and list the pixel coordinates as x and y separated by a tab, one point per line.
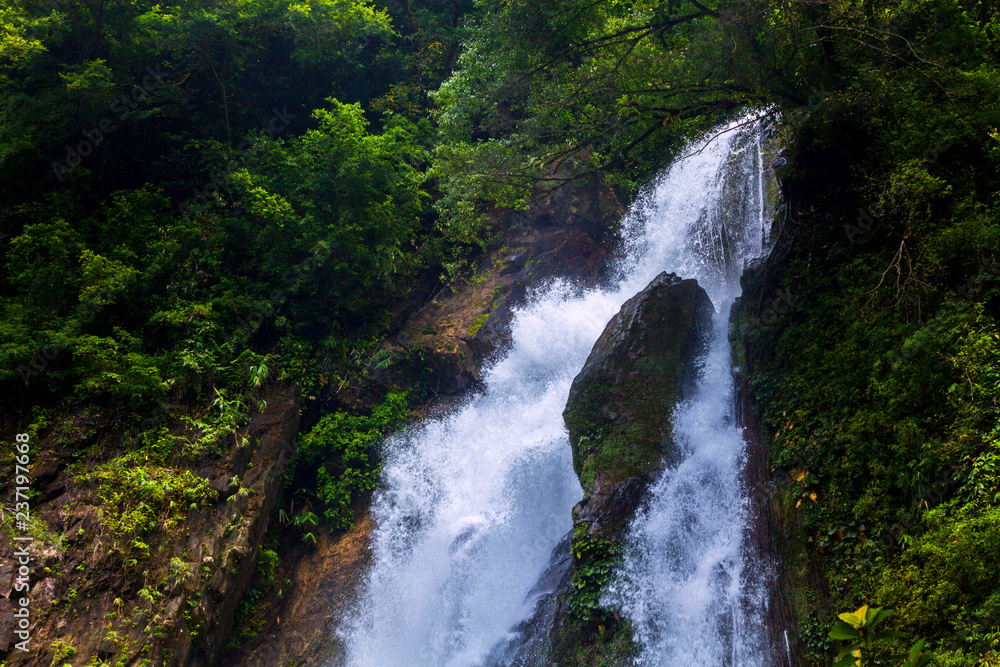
619	408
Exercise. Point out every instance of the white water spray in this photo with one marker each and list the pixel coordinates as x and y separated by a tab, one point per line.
473	503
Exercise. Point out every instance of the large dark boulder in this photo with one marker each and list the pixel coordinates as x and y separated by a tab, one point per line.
619	419
620	405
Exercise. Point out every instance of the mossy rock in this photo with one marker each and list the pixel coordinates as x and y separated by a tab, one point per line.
620	405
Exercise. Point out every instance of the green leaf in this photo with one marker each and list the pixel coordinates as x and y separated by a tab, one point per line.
877	615
844	631
917	657
856	618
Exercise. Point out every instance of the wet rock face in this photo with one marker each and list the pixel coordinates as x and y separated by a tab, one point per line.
460	328
563	234
620	405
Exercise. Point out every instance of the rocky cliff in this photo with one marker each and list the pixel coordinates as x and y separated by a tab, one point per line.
137	563
773	535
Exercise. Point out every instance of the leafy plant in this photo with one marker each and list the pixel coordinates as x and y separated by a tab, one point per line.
593	560
917	656
305	518
179	570
865	644
139	501
858	629
347	444
60	652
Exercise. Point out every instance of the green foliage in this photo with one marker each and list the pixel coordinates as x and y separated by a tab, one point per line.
113	367
867	484
593	560
814	637
477	323
60	652
545	89
157	275
197	435
178	571
19	35
917	657
858	630
347	446
943	580
874	383
139	502
323	27
339	186
865	644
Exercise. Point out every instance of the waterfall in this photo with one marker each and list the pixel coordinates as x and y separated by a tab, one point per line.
686	583
473	503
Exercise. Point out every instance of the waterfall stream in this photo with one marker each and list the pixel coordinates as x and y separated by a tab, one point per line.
474	502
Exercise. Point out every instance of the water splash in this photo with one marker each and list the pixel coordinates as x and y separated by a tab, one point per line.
473	503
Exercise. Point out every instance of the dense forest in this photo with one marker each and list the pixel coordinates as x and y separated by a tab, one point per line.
204	201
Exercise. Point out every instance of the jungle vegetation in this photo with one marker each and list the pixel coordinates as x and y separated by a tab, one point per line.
202	197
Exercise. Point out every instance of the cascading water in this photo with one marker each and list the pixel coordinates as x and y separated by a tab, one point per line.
473	503
687	583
